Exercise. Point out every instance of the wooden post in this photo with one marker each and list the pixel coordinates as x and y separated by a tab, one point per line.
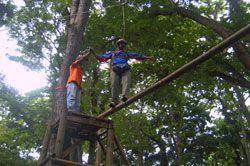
110	146
92	146
60	135
98	154
46	141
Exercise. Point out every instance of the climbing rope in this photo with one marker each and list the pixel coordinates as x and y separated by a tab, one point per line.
123	18
122	3
111	6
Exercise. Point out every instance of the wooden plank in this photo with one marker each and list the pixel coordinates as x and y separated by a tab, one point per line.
182	70
78	114
86	121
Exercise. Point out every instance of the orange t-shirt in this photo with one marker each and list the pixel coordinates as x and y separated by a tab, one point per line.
75	73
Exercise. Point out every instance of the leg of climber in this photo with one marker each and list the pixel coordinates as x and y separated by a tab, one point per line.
72	100
126	81
115	81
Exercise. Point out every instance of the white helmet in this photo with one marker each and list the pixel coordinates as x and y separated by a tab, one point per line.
121	41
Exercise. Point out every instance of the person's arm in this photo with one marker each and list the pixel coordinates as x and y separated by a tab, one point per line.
133	55
103	58
82	57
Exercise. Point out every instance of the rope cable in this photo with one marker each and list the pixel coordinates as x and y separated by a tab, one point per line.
123	14
110	6
123	18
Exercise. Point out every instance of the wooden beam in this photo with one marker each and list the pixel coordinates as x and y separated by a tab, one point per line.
60	135
78	114
99	147
98	154
86	121
179	72
110	146
102	146
68	162
46	140
71	148
119	146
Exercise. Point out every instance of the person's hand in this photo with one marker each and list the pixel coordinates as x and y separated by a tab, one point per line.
92	50
150	57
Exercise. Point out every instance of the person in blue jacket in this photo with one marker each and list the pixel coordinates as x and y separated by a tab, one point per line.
120	69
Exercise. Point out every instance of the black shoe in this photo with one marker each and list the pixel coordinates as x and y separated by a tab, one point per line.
112	105
124	98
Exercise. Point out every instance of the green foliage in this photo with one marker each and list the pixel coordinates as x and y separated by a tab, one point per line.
6	11
173	125
39	28
23	120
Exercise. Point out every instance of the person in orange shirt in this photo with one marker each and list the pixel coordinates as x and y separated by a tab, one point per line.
74	83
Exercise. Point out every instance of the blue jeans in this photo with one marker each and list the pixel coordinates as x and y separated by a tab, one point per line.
73	97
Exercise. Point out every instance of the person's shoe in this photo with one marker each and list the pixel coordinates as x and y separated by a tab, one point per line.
124	98
112	104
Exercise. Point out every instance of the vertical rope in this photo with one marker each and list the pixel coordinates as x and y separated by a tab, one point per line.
123	18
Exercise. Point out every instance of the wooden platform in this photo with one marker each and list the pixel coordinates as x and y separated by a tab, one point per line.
82	126
71	131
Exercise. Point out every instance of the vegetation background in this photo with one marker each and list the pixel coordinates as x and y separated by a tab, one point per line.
199	119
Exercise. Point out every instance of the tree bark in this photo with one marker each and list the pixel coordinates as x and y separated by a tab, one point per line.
236	12
242	104
177	146
93	94
78	19
245	145
218	28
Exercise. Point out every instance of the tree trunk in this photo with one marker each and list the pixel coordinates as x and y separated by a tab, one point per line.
78	19
245	145
94	105
93	94
218	28
242	104
178	150
163	156
236	13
